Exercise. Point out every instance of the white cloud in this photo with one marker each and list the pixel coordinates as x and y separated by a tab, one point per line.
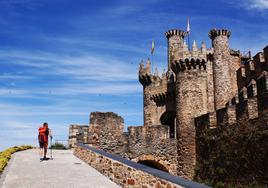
11	76
11	124
87	67
111	88
258	4
5	92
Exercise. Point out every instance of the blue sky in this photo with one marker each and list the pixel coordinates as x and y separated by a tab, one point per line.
62	59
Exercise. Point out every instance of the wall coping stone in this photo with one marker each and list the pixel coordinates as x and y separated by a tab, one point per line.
155	172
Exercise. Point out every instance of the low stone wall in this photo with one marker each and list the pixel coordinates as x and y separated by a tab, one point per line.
127	173
153	144
77	134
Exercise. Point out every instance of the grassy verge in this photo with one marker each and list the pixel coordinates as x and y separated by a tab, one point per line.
6	155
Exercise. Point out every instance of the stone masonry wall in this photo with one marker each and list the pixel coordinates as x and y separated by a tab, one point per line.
221	69
106	132
234	153
175	40
210	86
191	101
151	111
153	144
150	108
234	65
139	144
77	134
127	174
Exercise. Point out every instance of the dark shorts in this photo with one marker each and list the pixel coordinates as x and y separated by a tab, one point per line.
43	145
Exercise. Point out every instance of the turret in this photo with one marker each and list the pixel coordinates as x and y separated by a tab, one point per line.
147	79
175	43
221	72
145	73
203	48
185	47
194	46
194	50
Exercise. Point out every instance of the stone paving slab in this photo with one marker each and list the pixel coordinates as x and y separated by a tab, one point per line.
65	171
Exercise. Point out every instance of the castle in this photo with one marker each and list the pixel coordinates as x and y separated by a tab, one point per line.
202	89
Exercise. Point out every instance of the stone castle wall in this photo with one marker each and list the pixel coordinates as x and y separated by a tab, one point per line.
190	102
77	134
106	132
239	141
153	144
203	89
129	174
141	144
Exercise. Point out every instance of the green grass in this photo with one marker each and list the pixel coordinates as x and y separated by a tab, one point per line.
6	155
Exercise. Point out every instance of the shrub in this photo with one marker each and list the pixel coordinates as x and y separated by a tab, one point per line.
233	156
58	145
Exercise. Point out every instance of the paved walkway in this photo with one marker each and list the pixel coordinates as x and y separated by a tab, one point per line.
65	171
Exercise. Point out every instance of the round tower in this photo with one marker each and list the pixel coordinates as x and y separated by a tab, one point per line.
146	79
221	72
191	102
175	42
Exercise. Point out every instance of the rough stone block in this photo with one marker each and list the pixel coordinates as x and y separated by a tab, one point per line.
130	181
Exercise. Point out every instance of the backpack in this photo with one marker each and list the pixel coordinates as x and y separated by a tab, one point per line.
43	134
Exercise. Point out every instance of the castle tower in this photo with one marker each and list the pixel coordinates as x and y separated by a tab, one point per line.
175	43
145	79
221	72
191	101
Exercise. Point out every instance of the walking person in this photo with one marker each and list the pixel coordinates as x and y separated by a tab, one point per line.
43	135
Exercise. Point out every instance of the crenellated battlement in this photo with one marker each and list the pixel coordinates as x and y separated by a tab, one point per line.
177	32
188	64
184	52
250	103
162	88
252	69
163	94
213	33
145	76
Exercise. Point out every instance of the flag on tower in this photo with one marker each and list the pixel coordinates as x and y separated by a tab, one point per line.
152	49
188	26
